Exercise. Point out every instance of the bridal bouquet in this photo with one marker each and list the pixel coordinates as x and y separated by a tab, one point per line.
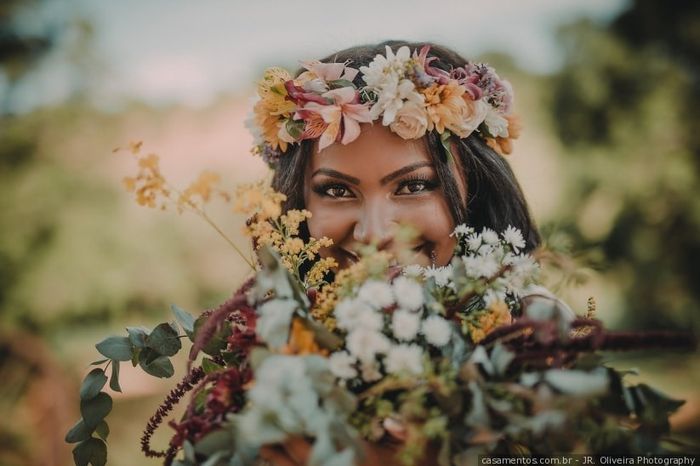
447	362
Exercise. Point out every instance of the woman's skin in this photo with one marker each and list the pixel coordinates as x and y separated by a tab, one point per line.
360	192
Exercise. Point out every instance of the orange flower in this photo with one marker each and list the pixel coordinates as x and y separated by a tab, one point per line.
448	109
301	340
498	314
504	146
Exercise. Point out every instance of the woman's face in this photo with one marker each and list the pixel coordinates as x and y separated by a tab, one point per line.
359	193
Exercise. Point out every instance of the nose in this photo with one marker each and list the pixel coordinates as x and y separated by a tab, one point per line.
375	224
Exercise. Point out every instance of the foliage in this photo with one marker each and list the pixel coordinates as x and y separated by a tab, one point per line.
625	105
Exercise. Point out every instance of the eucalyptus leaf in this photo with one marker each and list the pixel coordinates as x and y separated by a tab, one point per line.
118	348
92	451
158	367
95	409
92	384
102	430
164	340
79	432
114	377
137	336
185	319
97	363
578	383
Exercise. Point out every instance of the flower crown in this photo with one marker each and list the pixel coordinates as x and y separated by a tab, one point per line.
411	97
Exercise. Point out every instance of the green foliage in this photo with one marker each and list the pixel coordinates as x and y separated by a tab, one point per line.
149	349
626	107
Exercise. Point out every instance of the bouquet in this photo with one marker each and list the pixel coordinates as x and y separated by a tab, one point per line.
453	362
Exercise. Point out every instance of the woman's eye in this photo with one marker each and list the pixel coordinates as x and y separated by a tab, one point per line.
415	186
336	191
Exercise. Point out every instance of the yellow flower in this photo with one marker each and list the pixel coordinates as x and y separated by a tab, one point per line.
202	187
273	108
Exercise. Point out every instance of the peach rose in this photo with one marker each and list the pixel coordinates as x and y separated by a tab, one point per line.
411	121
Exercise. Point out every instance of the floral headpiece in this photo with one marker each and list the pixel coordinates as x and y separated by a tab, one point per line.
409	95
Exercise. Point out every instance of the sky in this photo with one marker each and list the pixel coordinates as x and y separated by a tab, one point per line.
187	52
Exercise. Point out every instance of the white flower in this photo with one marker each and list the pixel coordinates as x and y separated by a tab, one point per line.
474	242
365	344
376	293
370	371
272	325
353	313
496	123
413	270
441	275
481	266
489	236
462	230
405	324
494	295
409	293
437	331
341	365
513	237
385	75
404	358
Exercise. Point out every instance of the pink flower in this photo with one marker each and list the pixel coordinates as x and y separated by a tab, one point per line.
345	110
440	76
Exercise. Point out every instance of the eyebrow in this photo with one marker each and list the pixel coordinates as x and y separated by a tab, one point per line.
386	179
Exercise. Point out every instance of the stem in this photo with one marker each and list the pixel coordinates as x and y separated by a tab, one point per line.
206	218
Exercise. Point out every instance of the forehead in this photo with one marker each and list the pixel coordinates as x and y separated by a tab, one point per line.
375	153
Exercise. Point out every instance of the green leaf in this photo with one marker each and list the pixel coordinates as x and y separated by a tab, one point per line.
78	432
114	378
445	141
338	83
92	451
160	366
92	384
102	430
137	336
97	363
95	409
295	128
164	340
185	319
210	366
214	442
118	348
218	341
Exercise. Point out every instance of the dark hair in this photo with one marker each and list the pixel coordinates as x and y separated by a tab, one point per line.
494	197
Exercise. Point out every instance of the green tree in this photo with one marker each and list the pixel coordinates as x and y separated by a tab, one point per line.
626	105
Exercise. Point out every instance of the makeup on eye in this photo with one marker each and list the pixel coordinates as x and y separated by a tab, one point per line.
409	185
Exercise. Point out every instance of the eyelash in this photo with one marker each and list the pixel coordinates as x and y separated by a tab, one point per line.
430	185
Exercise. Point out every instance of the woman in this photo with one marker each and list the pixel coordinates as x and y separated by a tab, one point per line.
362	163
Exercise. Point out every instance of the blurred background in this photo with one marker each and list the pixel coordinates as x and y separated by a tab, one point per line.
609	159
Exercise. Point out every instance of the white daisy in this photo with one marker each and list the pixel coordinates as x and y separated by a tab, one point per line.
413	270
441	275
489	236
462	230
437	331
513	237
